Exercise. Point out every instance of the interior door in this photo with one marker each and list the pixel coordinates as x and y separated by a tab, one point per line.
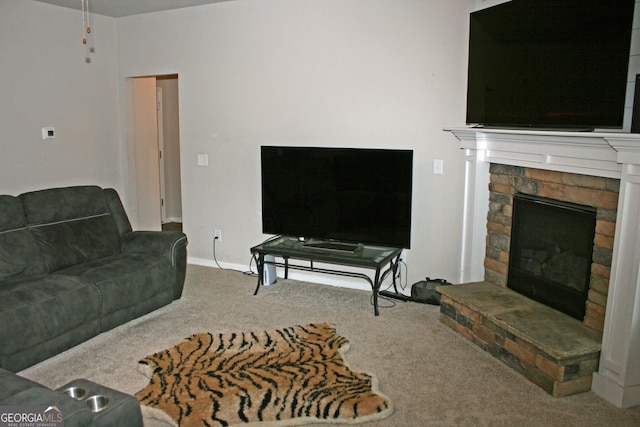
146	153
161	163
169	142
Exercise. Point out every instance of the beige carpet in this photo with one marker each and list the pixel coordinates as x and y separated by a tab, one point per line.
433	376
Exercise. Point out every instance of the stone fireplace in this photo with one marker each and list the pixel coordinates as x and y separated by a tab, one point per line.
599	170
506	182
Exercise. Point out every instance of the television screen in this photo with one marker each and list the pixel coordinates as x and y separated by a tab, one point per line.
549	63
351	195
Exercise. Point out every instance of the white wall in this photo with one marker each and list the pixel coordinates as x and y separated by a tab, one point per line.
483	4
365	73
45	81
361	73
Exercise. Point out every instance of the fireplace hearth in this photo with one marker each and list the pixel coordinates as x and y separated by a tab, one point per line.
549	240
551	252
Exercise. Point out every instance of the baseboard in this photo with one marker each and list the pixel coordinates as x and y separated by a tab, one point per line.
172	219
225	265
614	393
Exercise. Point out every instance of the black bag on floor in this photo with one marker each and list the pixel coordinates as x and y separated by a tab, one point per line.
425	292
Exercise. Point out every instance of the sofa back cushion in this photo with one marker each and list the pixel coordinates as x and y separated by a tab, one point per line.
117	211
71	225
19	253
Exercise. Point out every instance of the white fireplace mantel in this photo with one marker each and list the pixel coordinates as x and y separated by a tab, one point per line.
611	155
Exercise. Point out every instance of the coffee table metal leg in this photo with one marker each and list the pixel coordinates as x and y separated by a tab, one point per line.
376	288
286	267
260	272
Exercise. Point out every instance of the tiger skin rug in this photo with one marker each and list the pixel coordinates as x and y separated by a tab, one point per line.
284	377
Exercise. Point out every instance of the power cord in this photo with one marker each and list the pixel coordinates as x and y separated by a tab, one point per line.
215	259
391	302
251	261
214	253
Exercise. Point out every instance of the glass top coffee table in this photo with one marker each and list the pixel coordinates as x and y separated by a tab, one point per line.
382	260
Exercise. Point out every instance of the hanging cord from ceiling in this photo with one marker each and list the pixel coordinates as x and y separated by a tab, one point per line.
86	24
86	29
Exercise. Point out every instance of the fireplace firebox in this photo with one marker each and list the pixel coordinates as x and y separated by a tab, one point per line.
551	252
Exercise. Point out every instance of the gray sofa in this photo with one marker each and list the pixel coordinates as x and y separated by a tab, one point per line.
71	267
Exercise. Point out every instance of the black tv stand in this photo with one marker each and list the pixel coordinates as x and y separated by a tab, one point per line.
331	245
383	260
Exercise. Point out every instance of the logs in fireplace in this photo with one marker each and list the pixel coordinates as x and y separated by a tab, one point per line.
551	252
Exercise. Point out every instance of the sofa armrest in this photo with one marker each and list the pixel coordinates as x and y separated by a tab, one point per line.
160	243
171	245
122	410
11	384
74	413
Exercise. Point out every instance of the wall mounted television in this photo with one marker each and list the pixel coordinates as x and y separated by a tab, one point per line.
353	195
549	64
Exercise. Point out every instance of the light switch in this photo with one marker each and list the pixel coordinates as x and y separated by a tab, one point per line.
438	165
203	159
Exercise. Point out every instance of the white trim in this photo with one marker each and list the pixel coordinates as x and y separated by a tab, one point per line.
611	155
211	263
172	219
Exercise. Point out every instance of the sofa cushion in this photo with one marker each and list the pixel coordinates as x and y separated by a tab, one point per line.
130	285
36	310
19	253
117	211
71	225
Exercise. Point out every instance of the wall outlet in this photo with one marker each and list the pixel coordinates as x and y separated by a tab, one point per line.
217	235
48	133
203	159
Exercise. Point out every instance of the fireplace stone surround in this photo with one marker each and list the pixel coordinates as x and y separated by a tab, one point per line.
597	192
613	156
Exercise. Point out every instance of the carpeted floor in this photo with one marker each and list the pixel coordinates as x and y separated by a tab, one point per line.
433	376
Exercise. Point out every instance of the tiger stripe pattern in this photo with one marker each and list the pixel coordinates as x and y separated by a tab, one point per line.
284	377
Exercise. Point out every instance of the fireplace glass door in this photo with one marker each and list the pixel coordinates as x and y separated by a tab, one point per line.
551	252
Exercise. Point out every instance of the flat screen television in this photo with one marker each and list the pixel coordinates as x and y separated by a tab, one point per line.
354	195
549	63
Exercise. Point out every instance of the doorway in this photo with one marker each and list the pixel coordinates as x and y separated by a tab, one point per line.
155	151
169	143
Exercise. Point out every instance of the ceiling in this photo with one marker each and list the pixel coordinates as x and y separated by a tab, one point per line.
118	8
